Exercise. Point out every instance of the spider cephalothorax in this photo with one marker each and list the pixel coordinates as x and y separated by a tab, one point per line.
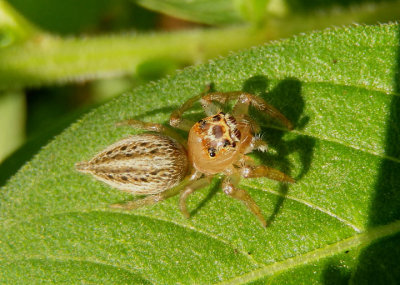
162	165
219	133
216	141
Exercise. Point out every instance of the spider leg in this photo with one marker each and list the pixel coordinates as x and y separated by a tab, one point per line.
151	199
229	186
189	189
244	101
251	171
176	119
153	127
260	145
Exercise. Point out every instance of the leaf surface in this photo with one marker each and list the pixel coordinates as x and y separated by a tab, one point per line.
339	87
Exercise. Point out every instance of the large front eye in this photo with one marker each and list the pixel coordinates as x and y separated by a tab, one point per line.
211	152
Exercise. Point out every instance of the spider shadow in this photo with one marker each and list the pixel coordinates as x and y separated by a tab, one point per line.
211	193
286	97
377	263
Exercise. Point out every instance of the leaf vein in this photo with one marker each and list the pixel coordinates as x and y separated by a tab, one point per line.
331	140
187	227
313	206
60	258
361	239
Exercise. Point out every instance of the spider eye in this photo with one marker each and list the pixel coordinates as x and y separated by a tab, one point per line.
211	152
226	143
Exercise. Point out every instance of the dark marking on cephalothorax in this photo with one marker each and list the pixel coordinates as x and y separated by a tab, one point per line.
217	131
216	118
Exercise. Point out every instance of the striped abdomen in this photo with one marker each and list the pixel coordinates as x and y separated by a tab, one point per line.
142	164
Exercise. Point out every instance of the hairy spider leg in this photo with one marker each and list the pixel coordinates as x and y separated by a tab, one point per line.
153	199
176	119
244	100
265	171
229	186
260	145
249	169
153	127
189	189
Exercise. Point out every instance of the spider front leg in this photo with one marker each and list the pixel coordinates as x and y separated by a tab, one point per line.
176	119
229	186
153	127
244	101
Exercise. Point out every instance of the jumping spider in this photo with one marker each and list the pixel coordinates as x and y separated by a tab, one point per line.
161	164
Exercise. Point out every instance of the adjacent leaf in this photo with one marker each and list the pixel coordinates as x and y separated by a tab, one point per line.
214	12
64	17
32	58
340	87
278	15
12	119
13	27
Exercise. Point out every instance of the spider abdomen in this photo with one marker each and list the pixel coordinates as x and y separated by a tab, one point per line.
141	164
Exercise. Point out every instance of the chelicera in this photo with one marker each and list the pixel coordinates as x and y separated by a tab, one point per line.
161	164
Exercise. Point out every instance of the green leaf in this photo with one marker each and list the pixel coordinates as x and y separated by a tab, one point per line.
13	27
338	223
32	58
64	17
276	15
12	119
213	12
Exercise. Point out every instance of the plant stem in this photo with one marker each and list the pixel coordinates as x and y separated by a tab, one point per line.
44	59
